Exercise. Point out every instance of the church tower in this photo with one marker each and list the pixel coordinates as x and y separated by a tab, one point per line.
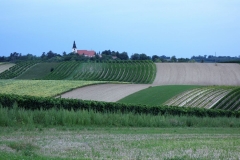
74	48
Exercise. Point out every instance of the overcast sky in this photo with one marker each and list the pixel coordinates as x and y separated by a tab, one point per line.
155	27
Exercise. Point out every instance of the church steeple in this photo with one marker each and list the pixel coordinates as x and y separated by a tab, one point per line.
74	48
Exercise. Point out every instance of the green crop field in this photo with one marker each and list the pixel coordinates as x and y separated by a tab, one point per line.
38	71
156	95
142	72
124	71
41	88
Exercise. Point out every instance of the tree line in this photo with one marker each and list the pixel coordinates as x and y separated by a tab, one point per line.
110	55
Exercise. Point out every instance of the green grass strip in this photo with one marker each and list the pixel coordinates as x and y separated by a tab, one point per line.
156	95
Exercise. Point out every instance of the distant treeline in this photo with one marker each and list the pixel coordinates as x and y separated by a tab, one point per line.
50	56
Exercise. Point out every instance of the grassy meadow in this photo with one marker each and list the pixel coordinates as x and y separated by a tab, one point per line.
41	88
119	143
156	95
67	134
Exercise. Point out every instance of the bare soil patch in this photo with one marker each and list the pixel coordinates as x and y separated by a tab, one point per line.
197	74
104	92
4	67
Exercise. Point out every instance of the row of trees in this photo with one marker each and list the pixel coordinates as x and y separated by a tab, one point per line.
110	55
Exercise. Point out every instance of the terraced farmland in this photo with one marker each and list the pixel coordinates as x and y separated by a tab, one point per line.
227	98
125	71
16	70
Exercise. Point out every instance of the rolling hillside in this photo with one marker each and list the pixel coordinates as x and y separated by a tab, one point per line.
141	72
171	73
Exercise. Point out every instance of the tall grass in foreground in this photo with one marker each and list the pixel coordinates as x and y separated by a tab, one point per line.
60	117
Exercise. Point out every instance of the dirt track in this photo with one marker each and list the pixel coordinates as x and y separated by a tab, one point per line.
104	92
197	74
4	67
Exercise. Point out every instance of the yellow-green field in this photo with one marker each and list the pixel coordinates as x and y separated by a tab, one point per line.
42	88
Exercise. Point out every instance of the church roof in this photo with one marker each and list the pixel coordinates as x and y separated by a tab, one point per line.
86	53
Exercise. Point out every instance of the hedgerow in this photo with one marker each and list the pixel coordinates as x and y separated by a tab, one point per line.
33	103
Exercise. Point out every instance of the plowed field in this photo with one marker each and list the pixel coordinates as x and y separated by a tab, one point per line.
197	74
104	92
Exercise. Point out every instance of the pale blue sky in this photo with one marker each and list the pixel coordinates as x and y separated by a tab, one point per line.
163	27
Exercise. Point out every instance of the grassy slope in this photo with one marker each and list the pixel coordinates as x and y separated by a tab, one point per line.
38	71
156	95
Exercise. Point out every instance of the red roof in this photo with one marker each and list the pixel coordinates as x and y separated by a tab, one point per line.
86	53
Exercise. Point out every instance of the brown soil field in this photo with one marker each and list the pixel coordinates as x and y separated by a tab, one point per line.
4	67
197	74
104	92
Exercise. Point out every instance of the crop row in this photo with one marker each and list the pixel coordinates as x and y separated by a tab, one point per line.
230	102
17	70
128	71
205	97
62	71
33	103
123	71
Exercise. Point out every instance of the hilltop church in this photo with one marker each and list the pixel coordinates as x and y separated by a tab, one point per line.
86	53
